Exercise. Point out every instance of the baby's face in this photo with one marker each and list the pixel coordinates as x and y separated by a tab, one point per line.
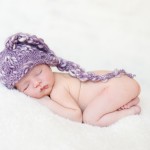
38	82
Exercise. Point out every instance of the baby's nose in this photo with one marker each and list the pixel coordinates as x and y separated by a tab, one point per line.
37	83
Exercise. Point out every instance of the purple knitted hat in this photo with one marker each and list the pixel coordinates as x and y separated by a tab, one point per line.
23	51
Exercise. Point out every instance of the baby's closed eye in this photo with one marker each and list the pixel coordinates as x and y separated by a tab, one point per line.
38	72
25	87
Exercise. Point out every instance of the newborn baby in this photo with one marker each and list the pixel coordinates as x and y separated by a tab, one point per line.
98	98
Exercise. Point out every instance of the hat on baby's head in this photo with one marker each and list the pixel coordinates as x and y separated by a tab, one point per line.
23	51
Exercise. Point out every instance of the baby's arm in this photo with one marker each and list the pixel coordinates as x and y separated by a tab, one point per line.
69	109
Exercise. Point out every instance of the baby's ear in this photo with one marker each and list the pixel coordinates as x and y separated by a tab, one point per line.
25	39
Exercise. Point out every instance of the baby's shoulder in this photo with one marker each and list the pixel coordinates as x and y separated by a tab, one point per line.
65	83
60	84
61	77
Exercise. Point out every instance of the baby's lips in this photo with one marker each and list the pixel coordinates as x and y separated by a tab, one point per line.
44	87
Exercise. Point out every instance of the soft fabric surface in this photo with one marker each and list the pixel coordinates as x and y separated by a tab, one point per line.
97	34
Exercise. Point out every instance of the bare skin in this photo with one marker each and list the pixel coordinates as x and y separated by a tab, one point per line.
99	103
130	104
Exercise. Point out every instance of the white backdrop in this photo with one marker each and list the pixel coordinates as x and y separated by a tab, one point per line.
97	34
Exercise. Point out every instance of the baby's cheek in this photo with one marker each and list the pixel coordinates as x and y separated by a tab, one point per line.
30	93
37	95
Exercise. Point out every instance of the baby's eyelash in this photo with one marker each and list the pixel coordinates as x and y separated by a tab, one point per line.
39	72
26	87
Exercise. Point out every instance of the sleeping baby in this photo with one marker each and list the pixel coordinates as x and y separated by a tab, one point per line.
99	98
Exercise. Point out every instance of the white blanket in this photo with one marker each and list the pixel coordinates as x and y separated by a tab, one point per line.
97	34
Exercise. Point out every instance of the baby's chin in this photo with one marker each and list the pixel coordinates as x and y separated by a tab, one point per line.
40	96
